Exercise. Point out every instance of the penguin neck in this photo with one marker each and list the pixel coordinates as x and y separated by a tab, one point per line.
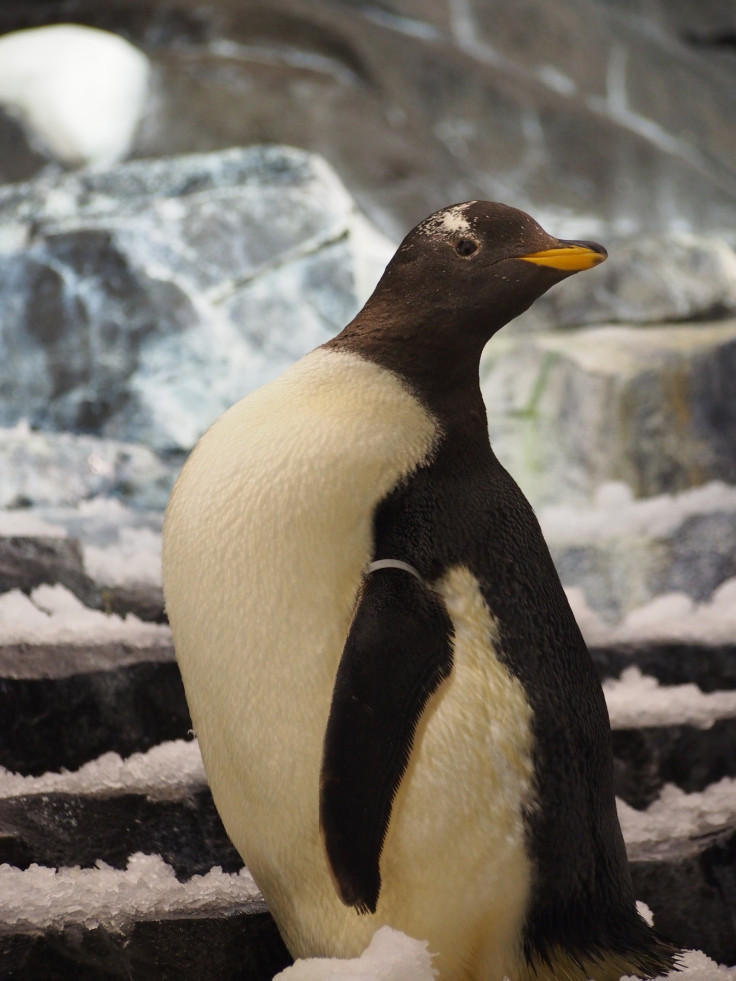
442	373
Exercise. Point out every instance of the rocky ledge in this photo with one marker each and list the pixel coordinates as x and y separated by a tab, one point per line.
113	861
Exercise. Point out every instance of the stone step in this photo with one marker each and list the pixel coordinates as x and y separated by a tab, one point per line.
712	667
238	945
50	723
646	759
65	830
688	882
690	886
54	723
73	687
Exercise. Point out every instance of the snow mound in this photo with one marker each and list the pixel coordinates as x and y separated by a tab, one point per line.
40	898
668	617
390	956
635	700
165	771
677	814
78	90
54	615
616	513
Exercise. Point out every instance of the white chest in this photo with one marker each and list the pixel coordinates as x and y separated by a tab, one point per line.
266	535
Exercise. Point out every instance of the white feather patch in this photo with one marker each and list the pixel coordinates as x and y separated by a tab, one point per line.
451	221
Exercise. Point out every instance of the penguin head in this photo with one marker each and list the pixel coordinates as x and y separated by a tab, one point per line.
455	280
474	266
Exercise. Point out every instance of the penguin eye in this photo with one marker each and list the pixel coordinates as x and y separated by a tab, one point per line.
466	247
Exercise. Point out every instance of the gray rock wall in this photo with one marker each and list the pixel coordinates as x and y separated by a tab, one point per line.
139	303
650	406
619	114
142	301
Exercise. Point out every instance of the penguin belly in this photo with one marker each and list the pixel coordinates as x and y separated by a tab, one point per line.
268	531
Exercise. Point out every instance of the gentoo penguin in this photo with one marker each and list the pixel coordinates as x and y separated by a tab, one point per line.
399	719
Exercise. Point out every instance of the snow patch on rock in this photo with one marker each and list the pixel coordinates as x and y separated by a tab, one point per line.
615	512
677	814
78	91
669	617
53	615
165	771
40	898
635	700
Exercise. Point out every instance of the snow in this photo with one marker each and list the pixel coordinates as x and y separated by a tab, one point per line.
635	700
79	91
695	966
27	524
121	545
669	617
390	956
61	469
169	770
676	814
40	898
615	513
135	558
53	615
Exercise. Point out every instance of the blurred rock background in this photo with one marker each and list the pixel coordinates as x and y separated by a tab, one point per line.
619	114
194	198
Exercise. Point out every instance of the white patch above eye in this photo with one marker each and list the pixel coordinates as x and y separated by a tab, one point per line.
451	221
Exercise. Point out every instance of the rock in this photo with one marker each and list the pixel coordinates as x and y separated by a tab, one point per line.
27	562
712	667
19	161
649	406
64	830
50	723
29	660
78	91
690	886
141	599
707	23
113	553
620	575
143	301
623	553
647	758
518	118
645	280
184	947
627	556
419	102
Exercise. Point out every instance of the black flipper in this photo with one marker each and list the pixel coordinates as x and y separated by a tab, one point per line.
398	651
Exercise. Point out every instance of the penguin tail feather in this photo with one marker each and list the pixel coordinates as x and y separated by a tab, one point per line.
658	958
